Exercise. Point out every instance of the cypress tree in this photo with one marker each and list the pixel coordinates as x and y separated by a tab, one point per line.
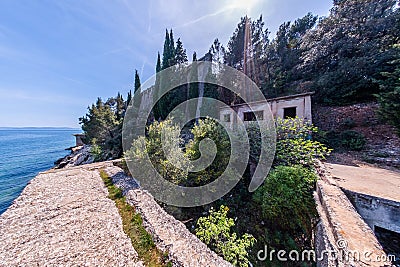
193	91
166	51
120	107
129	98
137	82
156	106
137	94
158	66
172	51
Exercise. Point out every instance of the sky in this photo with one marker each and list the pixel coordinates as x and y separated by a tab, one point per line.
57	57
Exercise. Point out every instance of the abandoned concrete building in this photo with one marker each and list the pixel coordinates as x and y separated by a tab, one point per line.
79	139
291	106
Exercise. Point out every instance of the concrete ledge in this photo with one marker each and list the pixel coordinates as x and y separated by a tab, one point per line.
170	235
376	211
341	229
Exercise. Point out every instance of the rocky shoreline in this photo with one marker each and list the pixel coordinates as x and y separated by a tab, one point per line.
79	155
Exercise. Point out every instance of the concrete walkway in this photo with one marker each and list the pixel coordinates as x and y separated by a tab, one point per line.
64	218
367	180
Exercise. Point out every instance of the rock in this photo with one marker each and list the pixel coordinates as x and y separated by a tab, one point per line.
79	155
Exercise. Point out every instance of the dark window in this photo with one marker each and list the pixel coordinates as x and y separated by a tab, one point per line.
249	116
253	116
227	117
289	113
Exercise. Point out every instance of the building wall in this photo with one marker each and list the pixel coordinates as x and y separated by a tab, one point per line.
277	107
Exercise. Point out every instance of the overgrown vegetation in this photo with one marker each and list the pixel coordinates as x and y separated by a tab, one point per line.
215	231
295	144
133	226
174	169
102	124
208	128
348	140
352	140
284	204
286	197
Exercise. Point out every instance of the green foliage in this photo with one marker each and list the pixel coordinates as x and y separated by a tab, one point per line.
137	98
96	151
157	106
348	123
295	145
208	128
180	52
352	140
172	56
102	126
286	198
348	49
174	167
389	99
215	231
284	54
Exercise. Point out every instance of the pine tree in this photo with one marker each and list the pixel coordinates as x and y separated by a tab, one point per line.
345	53
389	99
180	53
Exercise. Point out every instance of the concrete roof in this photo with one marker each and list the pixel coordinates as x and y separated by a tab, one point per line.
273	99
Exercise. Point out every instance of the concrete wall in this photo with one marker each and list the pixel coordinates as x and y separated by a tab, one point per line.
302	103
376	211
342	230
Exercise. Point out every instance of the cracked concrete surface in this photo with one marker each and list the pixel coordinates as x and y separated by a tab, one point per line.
64	218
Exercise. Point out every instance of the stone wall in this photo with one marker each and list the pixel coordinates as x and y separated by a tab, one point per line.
170	235
376	211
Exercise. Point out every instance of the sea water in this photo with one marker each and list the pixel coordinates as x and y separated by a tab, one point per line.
24	152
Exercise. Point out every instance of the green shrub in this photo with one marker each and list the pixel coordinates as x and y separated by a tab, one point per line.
96	151
209	129
295	145
173	168
215	231
352	140
348	123
286	198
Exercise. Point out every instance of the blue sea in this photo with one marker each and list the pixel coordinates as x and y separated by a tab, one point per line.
24	152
